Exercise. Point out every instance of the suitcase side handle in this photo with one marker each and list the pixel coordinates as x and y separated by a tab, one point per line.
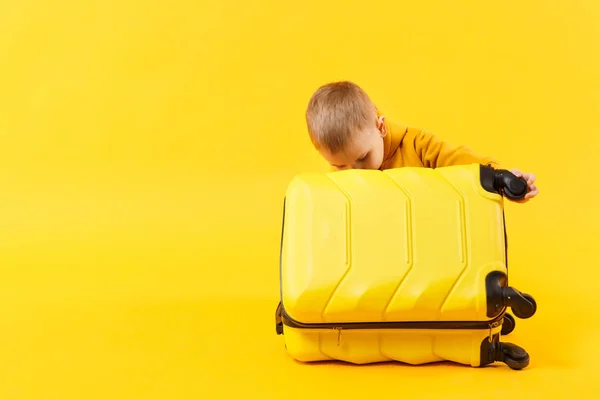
504	182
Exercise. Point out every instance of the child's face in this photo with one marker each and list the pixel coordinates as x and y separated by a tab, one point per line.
364	151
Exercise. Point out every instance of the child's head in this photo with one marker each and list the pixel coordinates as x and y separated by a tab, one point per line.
344	127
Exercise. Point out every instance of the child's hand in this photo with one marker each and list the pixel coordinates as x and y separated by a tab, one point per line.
532	187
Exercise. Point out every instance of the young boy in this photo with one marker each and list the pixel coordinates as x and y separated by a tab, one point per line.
349	132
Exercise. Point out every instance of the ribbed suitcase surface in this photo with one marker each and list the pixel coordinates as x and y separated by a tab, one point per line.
406	264
397	245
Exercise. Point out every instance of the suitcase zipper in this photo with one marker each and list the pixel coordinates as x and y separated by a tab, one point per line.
339	326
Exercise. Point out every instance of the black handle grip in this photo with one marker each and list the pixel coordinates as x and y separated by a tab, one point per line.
506	182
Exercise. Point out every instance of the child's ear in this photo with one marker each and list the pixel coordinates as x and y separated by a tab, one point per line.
381	125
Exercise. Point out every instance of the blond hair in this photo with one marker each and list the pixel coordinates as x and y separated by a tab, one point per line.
335	112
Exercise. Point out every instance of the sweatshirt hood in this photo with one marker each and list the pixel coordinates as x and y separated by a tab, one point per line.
392	140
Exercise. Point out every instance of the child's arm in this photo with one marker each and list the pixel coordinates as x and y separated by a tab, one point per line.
435	153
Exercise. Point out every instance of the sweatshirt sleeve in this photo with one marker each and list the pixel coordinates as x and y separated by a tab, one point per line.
435	153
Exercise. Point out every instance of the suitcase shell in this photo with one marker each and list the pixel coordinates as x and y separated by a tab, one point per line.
407	264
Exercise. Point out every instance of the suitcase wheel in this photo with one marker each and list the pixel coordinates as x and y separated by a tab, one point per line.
512	355
508	325
499	295
524	309
510	185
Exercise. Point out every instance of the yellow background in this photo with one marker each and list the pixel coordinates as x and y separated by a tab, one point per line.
145	150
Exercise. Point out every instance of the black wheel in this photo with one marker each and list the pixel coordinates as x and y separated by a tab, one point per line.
517	364
508	325
527	312
531	299
513	356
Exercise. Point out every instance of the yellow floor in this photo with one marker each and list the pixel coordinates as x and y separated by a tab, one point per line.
226	348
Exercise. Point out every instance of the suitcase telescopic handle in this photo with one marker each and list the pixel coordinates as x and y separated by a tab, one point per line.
508	183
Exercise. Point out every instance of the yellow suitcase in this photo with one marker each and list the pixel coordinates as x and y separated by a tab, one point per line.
407	265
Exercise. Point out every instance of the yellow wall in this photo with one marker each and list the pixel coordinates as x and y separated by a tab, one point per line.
138	140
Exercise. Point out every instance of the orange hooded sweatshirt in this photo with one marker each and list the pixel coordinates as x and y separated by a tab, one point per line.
411	147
